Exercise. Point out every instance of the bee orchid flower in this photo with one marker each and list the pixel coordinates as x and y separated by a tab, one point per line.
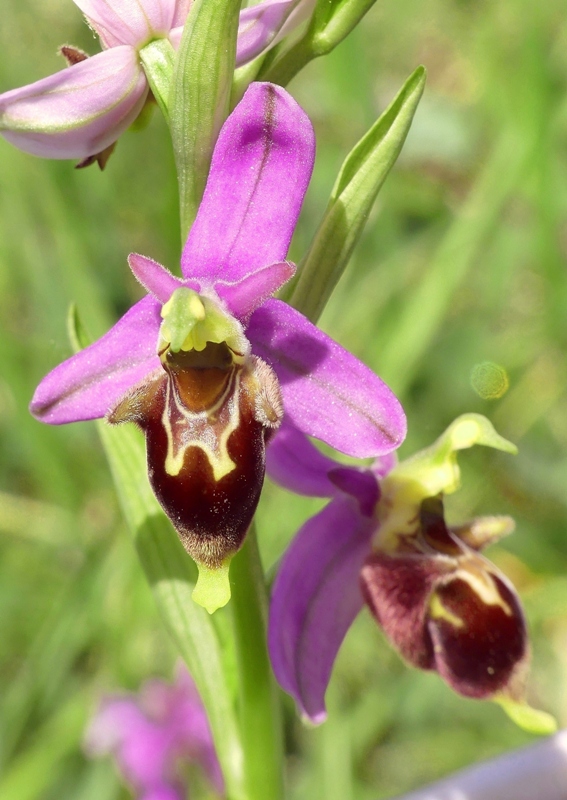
383	541
81	111
208	364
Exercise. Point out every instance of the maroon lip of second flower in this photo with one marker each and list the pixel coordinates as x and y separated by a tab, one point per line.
208	404
440	603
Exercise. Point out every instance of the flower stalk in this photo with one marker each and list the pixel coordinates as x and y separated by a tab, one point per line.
258	701
200	96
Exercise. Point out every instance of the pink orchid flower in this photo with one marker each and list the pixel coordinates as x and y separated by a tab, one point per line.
382	541
81	111
208	365
155	733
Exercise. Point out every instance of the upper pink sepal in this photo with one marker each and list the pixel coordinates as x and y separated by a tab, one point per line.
260	170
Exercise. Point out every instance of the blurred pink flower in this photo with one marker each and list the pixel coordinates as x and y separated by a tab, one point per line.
151	736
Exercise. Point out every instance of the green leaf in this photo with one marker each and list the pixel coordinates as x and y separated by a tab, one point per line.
203	641
357	185
172	576
200	96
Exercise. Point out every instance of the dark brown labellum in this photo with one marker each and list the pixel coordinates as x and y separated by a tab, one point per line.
447	608
206	420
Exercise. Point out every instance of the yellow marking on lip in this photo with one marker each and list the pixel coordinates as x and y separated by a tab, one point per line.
220	461
485	588
438	611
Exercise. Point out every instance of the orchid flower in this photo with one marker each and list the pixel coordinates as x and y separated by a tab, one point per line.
207	365
383	541
81	111
153	735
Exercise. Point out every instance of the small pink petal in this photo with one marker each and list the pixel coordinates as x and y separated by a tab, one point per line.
259	26
245	295
154	278
133	22
79	111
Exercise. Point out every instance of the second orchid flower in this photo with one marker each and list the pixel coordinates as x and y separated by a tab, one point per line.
383	541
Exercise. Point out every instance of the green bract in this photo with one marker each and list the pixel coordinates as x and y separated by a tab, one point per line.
361	176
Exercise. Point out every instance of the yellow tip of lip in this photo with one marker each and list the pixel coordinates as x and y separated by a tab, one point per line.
529	719
212	590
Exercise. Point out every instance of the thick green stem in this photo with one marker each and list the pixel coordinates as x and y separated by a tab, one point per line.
200	95
259	710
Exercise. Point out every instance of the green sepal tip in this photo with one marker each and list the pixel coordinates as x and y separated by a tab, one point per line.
212	590
527	718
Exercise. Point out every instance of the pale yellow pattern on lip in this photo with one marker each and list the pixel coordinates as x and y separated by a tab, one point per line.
217	455
438	611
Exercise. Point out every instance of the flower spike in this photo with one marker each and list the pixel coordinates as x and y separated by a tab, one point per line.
150	734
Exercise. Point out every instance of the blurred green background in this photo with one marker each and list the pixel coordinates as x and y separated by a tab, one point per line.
462	263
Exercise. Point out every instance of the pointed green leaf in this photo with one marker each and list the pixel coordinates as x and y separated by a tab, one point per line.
203	641
358	183
200	95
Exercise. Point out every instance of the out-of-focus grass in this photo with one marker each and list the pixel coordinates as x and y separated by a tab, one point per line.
463	262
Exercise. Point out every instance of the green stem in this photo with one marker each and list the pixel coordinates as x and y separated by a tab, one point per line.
259	711
200	96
